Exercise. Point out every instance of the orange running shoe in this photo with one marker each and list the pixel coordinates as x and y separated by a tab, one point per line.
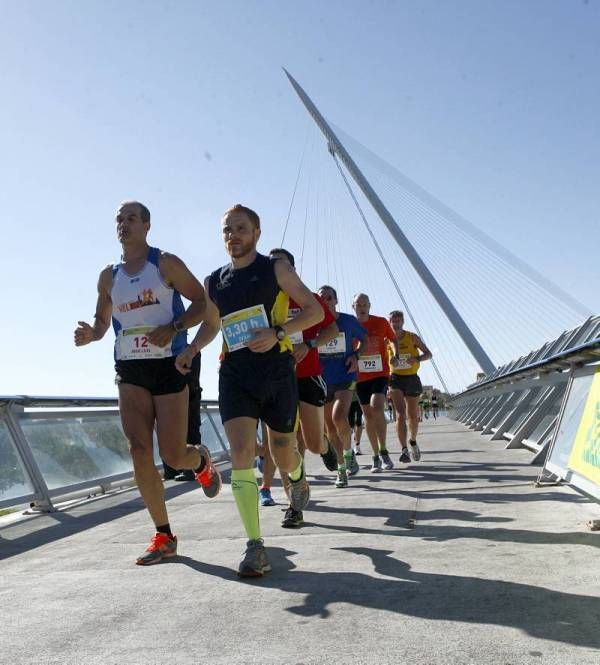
161	547
209	477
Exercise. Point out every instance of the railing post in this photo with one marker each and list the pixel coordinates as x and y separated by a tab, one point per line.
43	502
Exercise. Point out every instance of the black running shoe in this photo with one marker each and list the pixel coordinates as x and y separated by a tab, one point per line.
329	457
293	519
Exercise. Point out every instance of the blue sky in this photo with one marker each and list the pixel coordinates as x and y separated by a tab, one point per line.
491	106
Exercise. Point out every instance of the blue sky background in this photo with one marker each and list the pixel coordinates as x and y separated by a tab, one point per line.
491	106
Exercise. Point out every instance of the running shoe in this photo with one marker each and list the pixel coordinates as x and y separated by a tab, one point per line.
376	466
161	547
209	477
293	519
260	464
357	450
299	491
265	497
186	474
387	462
405	456
255	562
342	478
352	467
415	452
329	457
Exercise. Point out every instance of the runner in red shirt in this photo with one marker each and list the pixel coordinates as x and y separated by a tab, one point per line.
312	392
373	378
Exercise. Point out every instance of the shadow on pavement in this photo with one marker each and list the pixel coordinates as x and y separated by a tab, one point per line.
540	612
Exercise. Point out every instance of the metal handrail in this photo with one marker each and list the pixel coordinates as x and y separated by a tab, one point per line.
12	412
583	353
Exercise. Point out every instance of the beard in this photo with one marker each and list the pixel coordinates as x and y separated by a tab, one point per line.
240	249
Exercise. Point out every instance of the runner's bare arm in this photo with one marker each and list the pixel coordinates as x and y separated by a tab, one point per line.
420	344
310	313
85	333
325	335
177	275
209	329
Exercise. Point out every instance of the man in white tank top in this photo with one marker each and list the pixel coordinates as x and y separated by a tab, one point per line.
142	296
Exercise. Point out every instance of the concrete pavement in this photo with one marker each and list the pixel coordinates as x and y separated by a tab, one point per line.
456	559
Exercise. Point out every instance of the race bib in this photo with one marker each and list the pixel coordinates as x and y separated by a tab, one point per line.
239	327
402	358
134	345
370	363
335	347
297	337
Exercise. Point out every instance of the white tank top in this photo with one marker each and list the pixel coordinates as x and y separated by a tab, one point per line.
142	302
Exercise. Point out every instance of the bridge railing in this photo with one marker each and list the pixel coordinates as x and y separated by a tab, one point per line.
55	449
522	400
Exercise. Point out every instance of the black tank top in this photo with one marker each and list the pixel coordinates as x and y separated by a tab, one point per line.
233	289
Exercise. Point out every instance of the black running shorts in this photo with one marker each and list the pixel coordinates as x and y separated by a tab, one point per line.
157	375
265	389
409	384
334	387
312	390
364	389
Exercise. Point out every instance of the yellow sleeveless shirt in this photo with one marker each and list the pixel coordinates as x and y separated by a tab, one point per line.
406	347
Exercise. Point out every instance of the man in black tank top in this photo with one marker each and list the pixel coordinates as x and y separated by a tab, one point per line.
248	301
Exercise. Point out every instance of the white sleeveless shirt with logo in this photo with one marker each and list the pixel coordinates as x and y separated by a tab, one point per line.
141	303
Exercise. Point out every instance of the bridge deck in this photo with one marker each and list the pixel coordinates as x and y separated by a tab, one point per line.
456	559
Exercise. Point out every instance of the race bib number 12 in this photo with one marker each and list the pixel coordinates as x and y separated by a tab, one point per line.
239	327
134	345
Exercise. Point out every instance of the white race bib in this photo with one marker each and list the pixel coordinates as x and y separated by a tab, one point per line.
239	327
402	358
336	346
370	363
297	337
134	345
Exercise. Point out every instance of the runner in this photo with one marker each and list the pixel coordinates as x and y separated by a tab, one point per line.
248	300
434	404
355	420
405	384
142	296
193	429
373	378
339	359
311	392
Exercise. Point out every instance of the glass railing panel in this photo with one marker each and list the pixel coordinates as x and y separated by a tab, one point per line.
13	479
542	427
209	436
76	449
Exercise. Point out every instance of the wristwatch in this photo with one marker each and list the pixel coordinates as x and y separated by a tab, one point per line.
177	325
311	343
279	333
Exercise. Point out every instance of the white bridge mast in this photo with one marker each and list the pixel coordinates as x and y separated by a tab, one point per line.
335	146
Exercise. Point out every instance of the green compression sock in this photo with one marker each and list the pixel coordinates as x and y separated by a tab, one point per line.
296	474
245	492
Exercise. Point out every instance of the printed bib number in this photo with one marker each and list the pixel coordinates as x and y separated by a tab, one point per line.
239	327
134	345
335	347
370	363
402	361
297	337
